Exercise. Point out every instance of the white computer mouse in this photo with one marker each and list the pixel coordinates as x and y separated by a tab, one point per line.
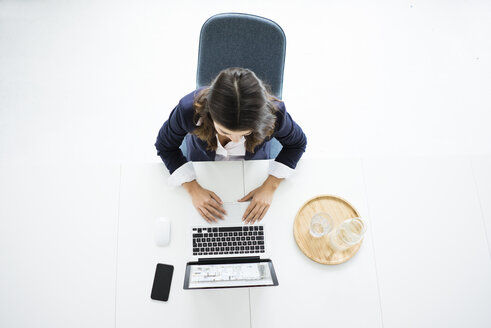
162	231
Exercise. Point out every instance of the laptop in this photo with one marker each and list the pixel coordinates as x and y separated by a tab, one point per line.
228	254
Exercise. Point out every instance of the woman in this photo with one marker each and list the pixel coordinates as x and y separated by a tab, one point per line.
232	119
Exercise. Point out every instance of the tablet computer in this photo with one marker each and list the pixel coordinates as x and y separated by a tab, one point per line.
230	273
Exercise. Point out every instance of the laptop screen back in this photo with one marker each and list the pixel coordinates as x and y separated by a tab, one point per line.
228	275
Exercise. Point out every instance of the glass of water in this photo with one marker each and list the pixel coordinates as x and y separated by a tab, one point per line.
320	224
348	234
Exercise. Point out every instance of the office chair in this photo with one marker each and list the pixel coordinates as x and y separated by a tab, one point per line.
247	41
242	40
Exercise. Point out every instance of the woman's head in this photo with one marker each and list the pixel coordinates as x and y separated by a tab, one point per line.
236	104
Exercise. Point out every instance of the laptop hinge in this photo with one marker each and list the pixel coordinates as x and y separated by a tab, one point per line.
229	259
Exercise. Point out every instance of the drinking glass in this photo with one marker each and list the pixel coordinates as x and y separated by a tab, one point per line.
320	224
348	234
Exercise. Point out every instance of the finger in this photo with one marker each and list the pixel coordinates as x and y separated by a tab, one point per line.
248	210
214	212
208	215
217	206
260	214
263	213
247	197
253	213
215	197
203	215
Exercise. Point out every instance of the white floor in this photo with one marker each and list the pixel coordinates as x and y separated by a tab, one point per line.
401	87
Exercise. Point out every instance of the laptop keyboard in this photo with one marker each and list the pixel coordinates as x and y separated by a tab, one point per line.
228	240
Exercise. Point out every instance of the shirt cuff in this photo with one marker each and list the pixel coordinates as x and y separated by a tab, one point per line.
279	170
184	173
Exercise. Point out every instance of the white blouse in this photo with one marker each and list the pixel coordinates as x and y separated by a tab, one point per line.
231	152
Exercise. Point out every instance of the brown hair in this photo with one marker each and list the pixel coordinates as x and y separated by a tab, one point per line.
237	100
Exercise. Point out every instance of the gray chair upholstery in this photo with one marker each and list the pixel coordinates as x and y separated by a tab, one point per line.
242	40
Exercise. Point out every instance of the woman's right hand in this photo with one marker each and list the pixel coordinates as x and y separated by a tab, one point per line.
208	204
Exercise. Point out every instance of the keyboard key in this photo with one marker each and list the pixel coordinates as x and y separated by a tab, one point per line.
229	229
197	235
261	227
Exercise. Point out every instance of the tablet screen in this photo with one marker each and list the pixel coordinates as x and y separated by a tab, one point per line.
230	275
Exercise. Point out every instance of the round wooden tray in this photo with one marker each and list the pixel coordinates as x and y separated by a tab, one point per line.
318	249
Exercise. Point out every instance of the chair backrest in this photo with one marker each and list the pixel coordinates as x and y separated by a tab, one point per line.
242	40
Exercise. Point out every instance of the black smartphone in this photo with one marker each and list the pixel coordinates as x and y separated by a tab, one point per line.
161	282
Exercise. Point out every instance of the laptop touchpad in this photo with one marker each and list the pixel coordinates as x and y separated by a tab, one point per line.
235	211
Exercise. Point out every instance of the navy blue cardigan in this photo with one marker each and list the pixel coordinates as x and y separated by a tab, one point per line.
180	125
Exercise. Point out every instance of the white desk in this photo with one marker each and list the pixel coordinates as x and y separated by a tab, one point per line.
312	294
481	166
58	226
430	244
66	260
323	289
403	276
145	196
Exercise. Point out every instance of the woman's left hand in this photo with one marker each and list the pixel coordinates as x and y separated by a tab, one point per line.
261	200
